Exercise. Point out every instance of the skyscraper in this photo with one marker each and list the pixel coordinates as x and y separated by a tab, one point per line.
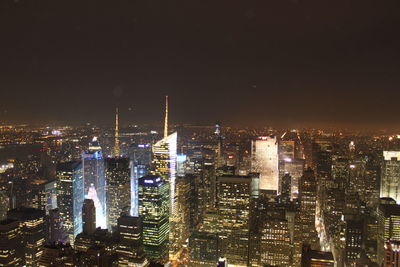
164	162
154	211
390	180
70	192
118	189
264	153
32	223
233	205
56	230
130	242
308	203
89	216
315	258
392	254
285	187
203	249
11	250
294	167
389	220
94	178
180	233
140	160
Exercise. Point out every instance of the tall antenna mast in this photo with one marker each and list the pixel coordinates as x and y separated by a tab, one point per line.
116	145
166	117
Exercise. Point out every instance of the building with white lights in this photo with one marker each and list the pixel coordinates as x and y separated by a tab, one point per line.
264	153
390	179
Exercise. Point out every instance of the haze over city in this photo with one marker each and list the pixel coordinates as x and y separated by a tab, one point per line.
256	62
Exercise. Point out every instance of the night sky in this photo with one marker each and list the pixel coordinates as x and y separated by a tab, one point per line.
248	62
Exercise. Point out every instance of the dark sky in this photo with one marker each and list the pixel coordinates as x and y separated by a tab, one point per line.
249	62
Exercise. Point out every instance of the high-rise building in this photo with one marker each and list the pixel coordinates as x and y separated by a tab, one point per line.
203	247
273	234
315	258
118	176
4	204
11	245
70	197
389	219
56	230
234	194
308	203
164	162
89	216
286	149
32	223
178	237
390	180
130	242
94	179
154	212
264	153
50	195
322	160
181	161
285	187
354	240
295	168
392	254
57	255
140	160
372	180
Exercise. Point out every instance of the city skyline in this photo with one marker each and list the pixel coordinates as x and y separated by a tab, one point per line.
199	133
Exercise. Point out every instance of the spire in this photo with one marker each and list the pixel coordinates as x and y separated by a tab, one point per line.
166	117
116	145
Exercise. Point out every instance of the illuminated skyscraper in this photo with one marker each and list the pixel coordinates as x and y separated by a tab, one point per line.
70	197
32	223
93	175
294	167
392	254
286	149
130	242
308	203
203	249
233	205
285	187
264	153
389	220
390	180
273	233
315	258
11	250
180	233
118	175
354	239
164	162
154	212
140	160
